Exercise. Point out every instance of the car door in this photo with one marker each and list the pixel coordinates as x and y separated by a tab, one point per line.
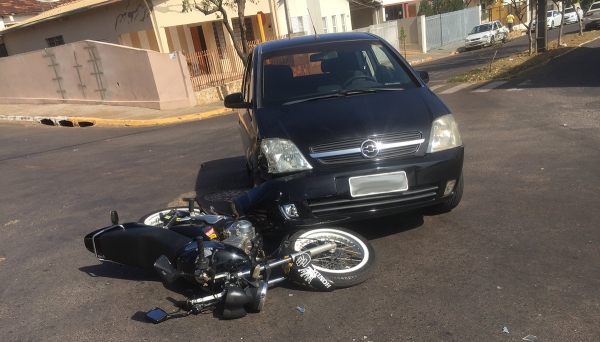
246	117
496	31
557	18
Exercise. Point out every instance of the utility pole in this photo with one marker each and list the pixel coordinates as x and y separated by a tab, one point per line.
287	18
541	30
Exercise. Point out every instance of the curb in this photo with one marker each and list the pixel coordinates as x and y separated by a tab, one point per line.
80	121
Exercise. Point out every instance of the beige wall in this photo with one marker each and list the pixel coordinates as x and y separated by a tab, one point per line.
169	16
97	73
104	23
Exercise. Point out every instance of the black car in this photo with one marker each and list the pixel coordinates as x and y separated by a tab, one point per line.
343	128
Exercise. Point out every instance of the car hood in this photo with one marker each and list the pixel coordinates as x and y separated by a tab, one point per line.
356	116
479	35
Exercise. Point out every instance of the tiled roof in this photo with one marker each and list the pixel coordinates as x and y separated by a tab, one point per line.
65	9
8	7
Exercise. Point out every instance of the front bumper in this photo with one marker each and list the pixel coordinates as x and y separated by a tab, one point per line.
322	197
475	43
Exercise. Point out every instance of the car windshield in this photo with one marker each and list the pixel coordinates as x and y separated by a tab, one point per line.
481	28
328	70
569	10
548	14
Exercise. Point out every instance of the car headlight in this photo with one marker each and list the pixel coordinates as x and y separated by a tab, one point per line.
444	134
283	156
486	36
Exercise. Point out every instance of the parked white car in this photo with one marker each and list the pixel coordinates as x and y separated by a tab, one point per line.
592	17
553	19
486	34
571	15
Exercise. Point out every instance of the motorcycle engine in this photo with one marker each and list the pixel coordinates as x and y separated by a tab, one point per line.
240	235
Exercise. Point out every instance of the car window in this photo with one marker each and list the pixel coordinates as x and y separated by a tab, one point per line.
595	5
481	28
325	69
247	81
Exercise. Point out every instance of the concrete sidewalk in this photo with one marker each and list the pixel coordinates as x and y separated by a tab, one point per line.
85	115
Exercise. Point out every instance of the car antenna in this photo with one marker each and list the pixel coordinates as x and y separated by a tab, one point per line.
313	24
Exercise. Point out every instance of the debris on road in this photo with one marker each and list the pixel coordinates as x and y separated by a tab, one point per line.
505	330
530	338
300	309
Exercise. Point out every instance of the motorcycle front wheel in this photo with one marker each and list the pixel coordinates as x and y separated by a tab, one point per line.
153	218
349	264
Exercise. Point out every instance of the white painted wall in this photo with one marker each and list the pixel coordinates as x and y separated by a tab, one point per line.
301	20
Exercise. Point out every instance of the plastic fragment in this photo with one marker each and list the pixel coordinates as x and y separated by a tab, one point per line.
505	330
530	337
300	309
291	294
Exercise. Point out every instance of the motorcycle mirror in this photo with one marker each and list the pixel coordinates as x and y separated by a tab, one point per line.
114	217
163	266
157	315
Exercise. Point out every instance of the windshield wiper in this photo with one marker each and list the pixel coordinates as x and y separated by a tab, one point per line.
343	93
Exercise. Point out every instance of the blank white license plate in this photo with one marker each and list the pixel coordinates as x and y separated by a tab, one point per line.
382	183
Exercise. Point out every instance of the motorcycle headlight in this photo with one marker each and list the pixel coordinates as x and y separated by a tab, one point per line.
283	156
444	134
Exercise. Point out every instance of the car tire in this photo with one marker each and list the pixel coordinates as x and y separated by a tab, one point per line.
451	202
492	41
552	25
505	38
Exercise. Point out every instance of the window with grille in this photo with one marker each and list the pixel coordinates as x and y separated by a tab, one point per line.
343	17
324	24
334	23
219	37
55	41
236	29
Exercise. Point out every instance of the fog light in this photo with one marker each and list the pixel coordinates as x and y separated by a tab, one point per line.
289	211
449	187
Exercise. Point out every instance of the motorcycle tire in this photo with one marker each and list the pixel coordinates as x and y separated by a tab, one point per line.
153	218
351	263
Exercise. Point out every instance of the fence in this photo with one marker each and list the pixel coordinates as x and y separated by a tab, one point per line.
448	28
215	67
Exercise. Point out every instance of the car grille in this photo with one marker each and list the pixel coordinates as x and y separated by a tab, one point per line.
356	143
347	205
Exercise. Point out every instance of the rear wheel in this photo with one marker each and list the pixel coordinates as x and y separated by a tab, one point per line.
349	264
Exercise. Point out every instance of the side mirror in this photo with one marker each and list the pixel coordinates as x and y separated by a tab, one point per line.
235	100
424	75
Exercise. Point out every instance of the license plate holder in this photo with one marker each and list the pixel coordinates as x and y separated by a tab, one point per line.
382	183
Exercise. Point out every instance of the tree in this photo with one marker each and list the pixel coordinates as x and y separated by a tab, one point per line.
440	7
520	10
425	9
219	7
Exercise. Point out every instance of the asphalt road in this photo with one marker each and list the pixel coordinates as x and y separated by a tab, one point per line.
521	251
442	69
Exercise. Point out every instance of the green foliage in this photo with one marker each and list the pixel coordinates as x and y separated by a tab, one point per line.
585	4
402	34
440	7
425	9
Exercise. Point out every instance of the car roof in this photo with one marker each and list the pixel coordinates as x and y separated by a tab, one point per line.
315	39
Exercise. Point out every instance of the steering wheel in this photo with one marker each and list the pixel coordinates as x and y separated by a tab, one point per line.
354	78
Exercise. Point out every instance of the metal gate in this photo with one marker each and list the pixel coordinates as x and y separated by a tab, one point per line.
448	28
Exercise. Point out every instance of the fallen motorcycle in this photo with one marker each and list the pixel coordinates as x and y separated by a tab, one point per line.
224	255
